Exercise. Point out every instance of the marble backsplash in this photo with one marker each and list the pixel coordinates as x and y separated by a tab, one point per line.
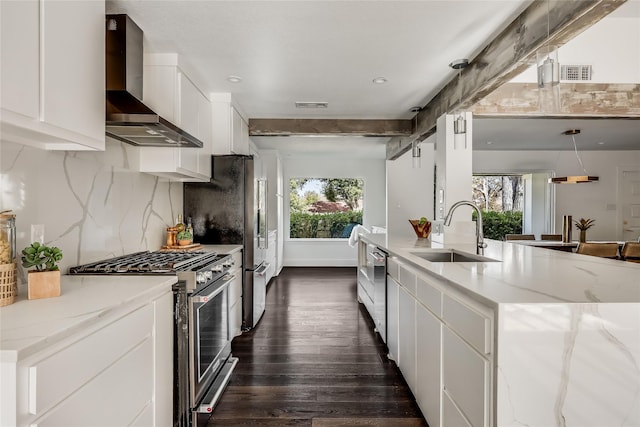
91	205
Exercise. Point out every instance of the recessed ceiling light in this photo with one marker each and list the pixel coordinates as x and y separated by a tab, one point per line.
601	143
379	80
234	79
489	142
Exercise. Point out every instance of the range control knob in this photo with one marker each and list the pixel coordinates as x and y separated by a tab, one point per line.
201	278
217	268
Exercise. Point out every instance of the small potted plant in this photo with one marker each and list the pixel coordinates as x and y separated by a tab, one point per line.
184	238
44	281
583	225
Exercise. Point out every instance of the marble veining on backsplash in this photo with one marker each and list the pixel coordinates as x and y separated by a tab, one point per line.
91	204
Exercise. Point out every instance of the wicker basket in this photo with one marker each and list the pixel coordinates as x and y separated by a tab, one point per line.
8	283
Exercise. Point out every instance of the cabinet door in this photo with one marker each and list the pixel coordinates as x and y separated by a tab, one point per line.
466	378
239	133
20	57
392	318
428	348
451	415
73	66
407	337
53	68
205	130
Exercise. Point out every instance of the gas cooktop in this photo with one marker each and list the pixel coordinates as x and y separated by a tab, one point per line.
148	262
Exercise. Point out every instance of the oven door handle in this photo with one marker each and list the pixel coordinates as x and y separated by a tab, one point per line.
206	298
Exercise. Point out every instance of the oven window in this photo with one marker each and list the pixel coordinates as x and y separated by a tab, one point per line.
212	331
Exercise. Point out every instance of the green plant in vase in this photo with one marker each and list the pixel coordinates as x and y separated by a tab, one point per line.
44	281
583	225
184	238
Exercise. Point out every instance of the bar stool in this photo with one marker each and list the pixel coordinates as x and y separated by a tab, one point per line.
519	237
603	250
631	251
553	237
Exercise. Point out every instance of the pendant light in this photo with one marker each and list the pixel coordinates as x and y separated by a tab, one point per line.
415	144
415	154
574	179
547	61
459	121
548	70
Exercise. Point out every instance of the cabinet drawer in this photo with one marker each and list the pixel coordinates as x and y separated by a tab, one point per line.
466	379
117	396
52	379
451	416
471	325
365	298
429	295
407	278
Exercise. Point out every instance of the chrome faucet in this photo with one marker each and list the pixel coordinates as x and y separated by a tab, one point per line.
480	244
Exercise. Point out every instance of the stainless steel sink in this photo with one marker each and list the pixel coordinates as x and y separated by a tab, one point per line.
451	256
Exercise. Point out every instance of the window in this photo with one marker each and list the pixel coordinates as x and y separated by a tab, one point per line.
324	208
501	200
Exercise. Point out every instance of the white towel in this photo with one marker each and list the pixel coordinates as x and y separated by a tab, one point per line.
355	235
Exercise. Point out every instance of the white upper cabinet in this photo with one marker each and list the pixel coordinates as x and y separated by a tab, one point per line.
170	93
53	74
230	128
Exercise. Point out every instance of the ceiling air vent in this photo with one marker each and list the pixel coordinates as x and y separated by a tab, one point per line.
301	104
575	73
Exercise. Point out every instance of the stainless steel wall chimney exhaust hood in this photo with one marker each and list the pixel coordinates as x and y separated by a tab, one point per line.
128	119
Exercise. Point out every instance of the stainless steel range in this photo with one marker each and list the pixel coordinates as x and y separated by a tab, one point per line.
202	345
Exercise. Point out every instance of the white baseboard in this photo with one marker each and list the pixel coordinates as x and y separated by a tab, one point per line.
315	262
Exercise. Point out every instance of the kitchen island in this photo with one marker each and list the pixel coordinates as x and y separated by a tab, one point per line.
534	337
99	354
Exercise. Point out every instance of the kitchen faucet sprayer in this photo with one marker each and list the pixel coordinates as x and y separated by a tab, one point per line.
480	244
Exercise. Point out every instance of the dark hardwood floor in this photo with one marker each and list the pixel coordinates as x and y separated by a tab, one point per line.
313	360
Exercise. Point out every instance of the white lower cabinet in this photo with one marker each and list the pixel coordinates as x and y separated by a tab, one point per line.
118	372
428	351
235	297
451	415
444	347
392	318
407	337
465	379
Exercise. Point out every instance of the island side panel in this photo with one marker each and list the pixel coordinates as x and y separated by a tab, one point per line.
568	365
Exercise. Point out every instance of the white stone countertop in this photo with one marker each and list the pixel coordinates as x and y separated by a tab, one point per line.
222	249
525	274
27	326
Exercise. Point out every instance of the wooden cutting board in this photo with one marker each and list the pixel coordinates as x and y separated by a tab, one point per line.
185	248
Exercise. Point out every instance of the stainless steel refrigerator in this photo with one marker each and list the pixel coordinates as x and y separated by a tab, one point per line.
231	209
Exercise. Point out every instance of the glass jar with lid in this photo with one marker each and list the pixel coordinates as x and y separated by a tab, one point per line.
7	237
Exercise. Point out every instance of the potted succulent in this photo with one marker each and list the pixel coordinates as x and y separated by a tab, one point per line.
44	281
583	225
184	238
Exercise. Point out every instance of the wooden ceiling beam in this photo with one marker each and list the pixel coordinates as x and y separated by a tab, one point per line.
330	127
609	100
506	56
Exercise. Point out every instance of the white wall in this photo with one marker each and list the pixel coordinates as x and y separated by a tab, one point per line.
334	252
611	46
597	200
91	206
410	191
